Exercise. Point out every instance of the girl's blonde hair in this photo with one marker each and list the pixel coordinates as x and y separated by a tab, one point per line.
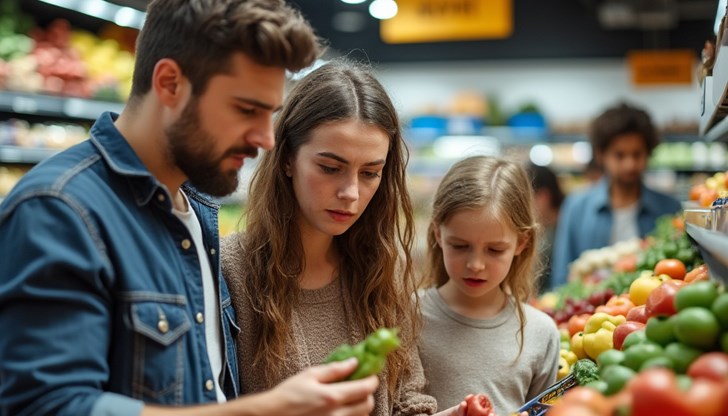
504	189
375	260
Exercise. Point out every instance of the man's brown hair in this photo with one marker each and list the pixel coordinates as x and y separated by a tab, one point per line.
201	35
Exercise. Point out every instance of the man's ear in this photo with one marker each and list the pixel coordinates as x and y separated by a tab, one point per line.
169	83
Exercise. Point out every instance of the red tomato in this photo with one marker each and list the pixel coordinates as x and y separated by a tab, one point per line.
711	366
656	393
479	405
671	267
586	397
706	397
570	409
661	301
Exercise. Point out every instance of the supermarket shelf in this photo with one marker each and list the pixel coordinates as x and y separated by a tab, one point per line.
24	155
713	246
48	105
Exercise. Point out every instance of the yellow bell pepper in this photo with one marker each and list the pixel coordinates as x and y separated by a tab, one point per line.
577	345
564	368
598	333
569	356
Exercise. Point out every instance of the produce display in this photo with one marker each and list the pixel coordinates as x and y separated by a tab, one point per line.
660	342
714	187
62	61
371	353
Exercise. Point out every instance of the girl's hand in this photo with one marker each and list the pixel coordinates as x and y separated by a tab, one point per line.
473	405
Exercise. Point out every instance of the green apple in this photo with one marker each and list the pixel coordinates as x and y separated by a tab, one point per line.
636	337
681	355
616	376
697	327
700	294
720	309
661	329
636	355
661	361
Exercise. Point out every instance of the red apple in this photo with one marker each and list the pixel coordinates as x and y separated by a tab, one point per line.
624	329
661	301
637	314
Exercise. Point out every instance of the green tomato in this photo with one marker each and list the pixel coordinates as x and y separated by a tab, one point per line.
610	357
681	356
661	362
700	294
636	355
720	309
660	329
697	327
598	385
636	337
616	377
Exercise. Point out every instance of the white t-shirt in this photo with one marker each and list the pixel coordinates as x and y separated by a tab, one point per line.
624	224
211	313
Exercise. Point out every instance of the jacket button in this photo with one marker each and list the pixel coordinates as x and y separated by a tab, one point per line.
209	385
200	317
186	244
160	197
212	251
163	326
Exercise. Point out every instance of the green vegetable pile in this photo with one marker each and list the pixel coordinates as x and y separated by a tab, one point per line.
585	371
669	243
371	352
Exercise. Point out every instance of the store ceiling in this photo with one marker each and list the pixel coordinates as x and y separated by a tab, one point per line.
543	29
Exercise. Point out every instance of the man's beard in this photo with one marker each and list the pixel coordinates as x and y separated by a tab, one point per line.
192	151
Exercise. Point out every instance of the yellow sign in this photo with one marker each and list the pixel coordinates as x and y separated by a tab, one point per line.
448	20
662	67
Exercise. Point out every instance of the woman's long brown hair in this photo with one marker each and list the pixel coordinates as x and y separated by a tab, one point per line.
375	260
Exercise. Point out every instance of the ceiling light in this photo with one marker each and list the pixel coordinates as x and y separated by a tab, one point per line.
541	155
353	1
383	9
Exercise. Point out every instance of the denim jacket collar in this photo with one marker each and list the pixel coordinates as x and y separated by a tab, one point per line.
121	158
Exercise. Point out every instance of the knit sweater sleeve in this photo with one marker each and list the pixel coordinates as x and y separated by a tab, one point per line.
411	398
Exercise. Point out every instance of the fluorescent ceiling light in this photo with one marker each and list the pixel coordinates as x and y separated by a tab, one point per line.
104	10
383	9
353	1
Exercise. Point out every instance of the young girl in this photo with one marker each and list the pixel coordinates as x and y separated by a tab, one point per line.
478	333
325	256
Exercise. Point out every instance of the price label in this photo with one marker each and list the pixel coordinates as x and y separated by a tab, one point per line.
448	20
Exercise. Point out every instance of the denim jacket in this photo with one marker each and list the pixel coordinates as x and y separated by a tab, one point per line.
101	303
585	222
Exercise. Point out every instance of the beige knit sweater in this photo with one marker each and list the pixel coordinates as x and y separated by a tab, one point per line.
319	324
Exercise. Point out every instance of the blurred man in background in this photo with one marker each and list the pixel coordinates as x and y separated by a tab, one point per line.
619	206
